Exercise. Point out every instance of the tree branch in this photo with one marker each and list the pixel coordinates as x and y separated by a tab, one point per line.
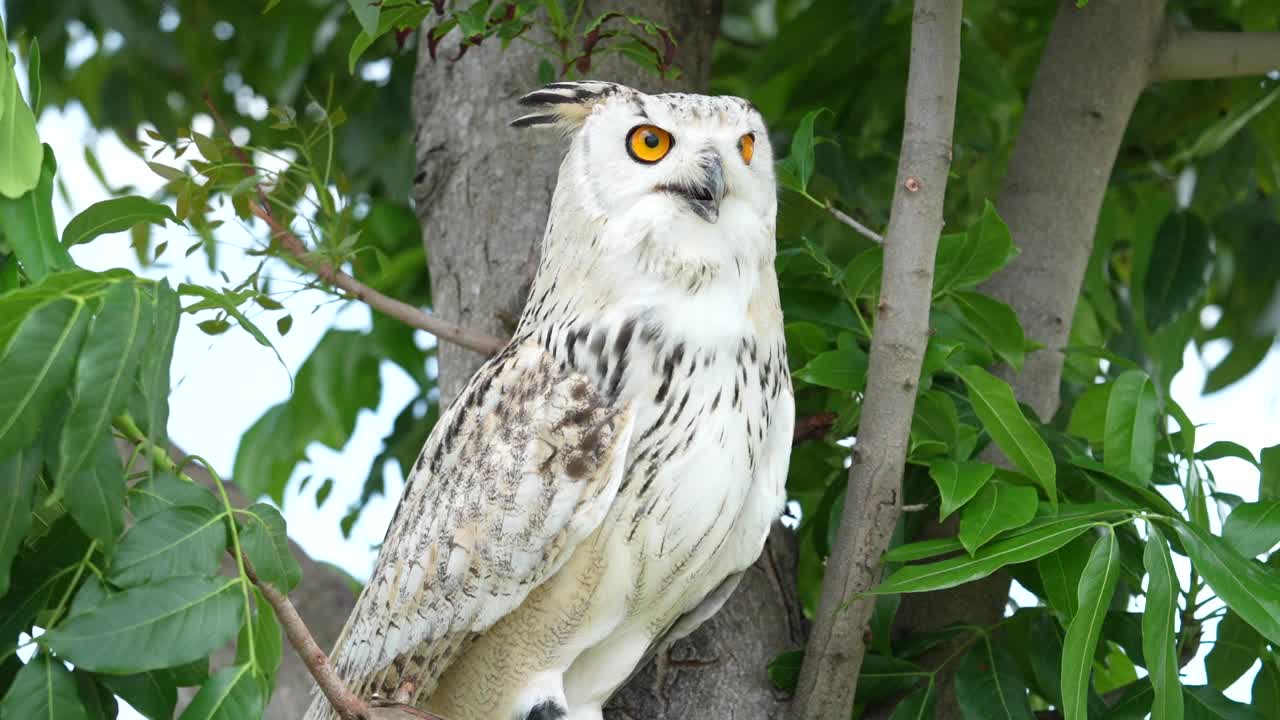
409	315
1196	55
404	312
829	675
343	700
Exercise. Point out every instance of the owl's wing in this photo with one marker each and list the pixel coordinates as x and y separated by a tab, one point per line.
520	469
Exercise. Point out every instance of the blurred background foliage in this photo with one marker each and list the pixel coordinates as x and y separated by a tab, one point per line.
1184	250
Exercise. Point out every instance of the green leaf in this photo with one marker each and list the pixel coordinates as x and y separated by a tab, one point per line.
231	694
1097	585
1018	548
100	702
181	541
1246	354
843	369
367	13
44	688
999	506
1130	442
268	452
37	364
882	676
17	486
1178	276
112	216
1266	690
268	648
277	442
149	404
996	323
919	705
1220	133
1269	481
104	373
27	221
213	298
935	418
1245	585
152	626
959	482
784	670
921	549
1253	528
966	260
165	491
33	73
1205	703
154	694
1060	573
266	543
94	495
1235	649
796	170
20	152
1122	489
1225	449
1114	671
1089	416
988	685
1159	643
397	16
996	407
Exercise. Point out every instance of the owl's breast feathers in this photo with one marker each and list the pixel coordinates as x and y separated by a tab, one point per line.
520	468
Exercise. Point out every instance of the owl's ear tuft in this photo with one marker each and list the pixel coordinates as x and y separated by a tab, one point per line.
564	105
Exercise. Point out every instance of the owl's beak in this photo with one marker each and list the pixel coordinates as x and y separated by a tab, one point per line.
703	196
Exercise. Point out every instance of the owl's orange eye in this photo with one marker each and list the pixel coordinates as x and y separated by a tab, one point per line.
648	143
747	147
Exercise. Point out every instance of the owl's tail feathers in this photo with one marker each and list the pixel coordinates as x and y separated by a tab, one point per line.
564	105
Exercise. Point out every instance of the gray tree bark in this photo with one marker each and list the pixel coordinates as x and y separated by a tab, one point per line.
482	195
1095	65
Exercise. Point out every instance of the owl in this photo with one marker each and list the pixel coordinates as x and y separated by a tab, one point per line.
600	484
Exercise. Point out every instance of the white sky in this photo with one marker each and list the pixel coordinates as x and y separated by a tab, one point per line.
222	384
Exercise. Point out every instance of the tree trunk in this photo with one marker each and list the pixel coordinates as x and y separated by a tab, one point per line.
483	192
1094	67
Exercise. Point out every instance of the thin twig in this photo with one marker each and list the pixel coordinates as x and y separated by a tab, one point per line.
482	343
348	705
404	312
858	227
918	507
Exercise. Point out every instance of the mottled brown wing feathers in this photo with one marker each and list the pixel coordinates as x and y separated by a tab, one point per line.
517	471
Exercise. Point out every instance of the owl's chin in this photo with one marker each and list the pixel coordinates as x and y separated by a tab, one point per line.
698	199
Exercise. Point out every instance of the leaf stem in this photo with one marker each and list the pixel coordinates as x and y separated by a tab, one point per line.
159	456
245	579
75	580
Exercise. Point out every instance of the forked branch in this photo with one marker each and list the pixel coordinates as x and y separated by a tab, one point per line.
829	675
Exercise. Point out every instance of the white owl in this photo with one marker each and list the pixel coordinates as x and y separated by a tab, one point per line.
599	486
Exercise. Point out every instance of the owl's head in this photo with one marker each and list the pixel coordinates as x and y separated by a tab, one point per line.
682	155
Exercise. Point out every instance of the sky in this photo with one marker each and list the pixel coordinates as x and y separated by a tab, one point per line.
222	384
